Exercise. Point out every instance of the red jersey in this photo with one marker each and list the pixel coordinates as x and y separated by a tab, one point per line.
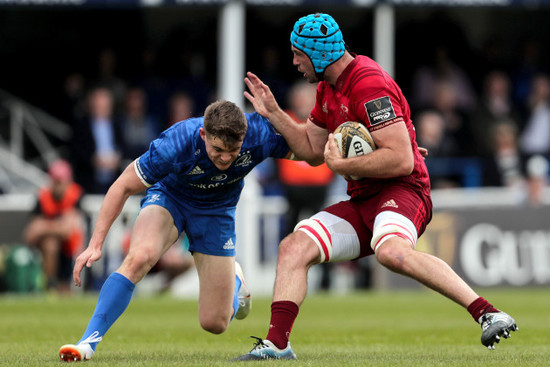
365	93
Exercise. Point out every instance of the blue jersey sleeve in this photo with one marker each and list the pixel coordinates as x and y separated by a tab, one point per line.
274	144
170	153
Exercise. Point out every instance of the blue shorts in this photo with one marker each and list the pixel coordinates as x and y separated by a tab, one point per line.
210	231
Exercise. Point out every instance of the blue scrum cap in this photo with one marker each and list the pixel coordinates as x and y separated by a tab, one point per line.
320	38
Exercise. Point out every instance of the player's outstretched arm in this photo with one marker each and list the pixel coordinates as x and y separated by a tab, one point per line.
305	140
127	184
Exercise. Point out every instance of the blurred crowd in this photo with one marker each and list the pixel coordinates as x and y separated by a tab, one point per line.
489	129
479	132
114	120
495	135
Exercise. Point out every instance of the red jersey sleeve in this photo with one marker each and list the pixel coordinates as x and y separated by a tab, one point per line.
318	116
377	102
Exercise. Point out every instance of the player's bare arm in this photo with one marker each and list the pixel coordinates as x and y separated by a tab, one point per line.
127	184
306	140
392	158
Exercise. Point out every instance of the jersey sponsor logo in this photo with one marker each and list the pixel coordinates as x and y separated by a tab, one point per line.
196	171
390	203
215	185
221	177
380	110
243	161
153	198
229	245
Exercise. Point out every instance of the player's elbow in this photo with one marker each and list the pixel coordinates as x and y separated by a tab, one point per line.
405	167
316	158
315	162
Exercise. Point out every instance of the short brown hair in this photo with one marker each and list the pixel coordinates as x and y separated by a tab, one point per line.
226	121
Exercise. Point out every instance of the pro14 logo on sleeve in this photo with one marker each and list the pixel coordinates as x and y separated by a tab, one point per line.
380	110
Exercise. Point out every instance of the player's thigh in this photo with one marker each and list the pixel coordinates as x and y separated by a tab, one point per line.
339	232
402	215
217	283
153	232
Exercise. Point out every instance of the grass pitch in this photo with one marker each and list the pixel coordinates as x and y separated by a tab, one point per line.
403	328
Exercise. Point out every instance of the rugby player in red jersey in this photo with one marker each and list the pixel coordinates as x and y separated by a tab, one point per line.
389	207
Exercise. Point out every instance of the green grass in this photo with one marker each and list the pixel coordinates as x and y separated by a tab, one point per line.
404	328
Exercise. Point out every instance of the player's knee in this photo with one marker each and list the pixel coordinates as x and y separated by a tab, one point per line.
142	261
213	324
393	254
394	237
288	247
295	250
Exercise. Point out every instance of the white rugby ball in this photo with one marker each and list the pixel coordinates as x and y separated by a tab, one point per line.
353	140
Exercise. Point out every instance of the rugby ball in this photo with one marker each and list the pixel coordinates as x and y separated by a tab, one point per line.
353	140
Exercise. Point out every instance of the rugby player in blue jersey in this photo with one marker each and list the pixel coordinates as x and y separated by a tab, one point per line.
193	174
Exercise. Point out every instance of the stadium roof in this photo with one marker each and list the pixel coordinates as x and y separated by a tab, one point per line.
359	3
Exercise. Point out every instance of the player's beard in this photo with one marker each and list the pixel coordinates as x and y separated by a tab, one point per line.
311	78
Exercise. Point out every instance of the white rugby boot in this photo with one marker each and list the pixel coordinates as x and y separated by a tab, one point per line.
81	351
494	326
245	301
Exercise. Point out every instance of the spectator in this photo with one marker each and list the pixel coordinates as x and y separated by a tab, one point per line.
180	107
71	102
305	187
107	64
504	166
138	126
537	180
432	135
535	138
529	64
494	107
97	143
442	70
446	102
57	227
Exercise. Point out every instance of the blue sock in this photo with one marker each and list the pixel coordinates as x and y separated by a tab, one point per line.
236	296
114	297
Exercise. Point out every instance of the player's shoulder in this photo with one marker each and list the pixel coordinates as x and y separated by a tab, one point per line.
258	126
179	140
255	120
366	75
186	126
260	131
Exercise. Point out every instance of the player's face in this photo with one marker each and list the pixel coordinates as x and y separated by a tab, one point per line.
219	153
304	65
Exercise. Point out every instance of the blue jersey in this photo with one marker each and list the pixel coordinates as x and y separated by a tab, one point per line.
177	162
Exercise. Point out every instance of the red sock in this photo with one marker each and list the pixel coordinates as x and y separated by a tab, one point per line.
283	314
480	307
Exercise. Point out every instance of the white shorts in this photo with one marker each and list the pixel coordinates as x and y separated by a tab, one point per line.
338	240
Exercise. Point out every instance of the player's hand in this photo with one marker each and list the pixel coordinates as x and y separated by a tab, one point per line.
260	95
86	258
332	153
423	152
